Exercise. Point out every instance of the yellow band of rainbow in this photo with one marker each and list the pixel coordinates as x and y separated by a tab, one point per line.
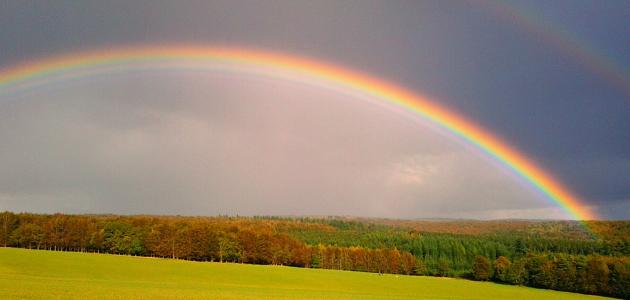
421	105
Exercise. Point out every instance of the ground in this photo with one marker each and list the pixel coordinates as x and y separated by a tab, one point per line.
33	274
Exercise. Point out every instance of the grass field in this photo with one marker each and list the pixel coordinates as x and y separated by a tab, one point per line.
31	274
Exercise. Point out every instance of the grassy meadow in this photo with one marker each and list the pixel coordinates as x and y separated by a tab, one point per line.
33	274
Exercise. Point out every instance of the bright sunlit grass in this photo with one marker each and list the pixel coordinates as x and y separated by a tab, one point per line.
31	274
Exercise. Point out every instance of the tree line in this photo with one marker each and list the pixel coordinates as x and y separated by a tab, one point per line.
584	265
593	274
236	240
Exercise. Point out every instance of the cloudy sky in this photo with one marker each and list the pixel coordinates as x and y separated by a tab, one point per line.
550	78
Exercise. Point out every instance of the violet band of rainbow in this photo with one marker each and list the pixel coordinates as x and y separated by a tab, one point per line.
422	106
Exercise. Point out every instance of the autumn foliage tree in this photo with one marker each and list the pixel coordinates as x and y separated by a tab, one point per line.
501	266
570	261
481	268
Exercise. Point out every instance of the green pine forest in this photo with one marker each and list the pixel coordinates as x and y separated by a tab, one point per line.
591	257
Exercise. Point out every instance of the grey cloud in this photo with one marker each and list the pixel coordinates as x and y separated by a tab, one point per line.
525	88
207	144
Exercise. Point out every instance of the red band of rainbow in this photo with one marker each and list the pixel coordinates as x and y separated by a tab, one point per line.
421	105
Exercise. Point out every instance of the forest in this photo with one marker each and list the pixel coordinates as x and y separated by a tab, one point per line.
586	257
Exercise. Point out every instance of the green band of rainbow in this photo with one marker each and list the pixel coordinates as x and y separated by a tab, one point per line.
421	105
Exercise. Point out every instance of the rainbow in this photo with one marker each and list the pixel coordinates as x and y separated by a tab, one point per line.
564	42
276	63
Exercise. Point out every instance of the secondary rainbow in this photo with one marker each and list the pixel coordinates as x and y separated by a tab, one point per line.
374	87
567	43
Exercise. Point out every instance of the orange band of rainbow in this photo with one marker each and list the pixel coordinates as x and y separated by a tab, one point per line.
422	106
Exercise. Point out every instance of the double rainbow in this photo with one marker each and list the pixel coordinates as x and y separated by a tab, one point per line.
247	59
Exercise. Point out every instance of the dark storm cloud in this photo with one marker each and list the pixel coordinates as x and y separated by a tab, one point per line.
538	98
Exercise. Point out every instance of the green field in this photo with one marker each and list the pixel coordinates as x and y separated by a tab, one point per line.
32	274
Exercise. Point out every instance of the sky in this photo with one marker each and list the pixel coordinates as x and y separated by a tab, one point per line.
549	78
